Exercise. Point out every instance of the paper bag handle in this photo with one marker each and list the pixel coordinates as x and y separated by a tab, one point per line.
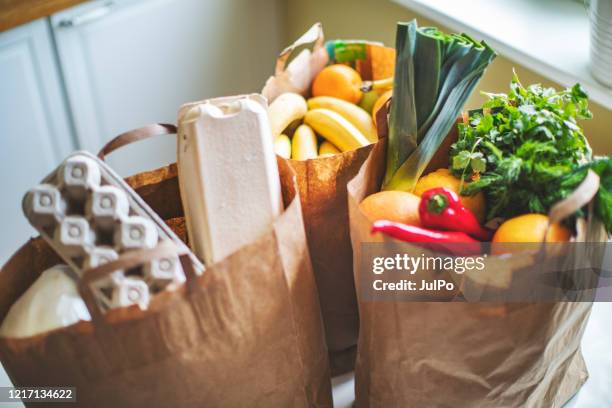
382	119
580	197
135	135
130	260
313	36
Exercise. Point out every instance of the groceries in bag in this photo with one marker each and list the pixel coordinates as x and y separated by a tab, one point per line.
339	125
189	341
90	217
322	180
525	151
52	302
521	153
513	161
435	74
339	109
398	364
228	174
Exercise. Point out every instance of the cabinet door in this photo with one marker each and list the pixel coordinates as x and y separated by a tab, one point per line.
133	62
34	130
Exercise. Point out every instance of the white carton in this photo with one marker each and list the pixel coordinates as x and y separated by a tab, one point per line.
228	173
90	216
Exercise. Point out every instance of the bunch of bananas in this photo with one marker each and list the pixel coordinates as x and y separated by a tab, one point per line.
340	125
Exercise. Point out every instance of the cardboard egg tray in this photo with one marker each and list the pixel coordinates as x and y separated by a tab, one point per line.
90	216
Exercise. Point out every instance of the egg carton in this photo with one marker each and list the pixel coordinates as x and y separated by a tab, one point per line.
89	215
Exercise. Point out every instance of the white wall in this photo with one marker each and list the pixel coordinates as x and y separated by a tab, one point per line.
376	20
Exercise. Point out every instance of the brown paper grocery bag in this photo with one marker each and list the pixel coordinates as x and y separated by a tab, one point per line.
322	185
247	332
435	354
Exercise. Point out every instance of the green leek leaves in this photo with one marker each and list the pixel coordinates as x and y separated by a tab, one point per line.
434	75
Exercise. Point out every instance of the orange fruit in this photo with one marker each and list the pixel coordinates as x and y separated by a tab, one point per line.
527	228
339	81
530	228
444	178
380	102
398	206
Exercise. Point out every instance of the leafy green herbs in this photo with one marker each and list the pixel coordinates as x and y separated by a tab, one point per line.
434	75
603	201
525	149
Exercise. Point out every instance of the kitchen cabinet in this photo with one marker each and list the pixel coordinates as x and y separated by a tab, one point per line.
77	78
35	131
133	62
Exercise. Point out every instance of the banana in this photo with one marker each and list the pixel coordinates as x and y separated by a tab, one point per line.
333	127
304	144
380	84
327	149
285	109
282	146
353	113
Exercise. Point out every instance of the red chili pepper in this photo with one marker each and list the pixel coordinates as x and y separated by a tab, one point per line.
441	208
437	240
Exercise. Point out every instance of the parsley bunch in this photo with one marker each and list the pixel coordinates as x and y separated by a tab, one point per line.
521	147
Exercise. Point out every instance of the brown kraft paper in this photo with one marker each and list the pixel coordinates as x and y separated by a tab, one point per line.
436	354
247	332
322	185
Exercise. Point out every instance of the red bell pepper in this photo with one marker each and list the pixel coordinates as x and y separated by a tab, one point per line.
457	243
441	208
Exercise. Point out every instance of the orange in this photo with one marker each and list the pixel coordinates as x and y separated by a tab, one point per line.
398	206
380	102
444	178
527	228
339	81
530	228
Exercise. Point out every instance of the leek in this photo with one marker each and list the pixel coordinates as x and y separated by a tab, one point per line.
435	73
